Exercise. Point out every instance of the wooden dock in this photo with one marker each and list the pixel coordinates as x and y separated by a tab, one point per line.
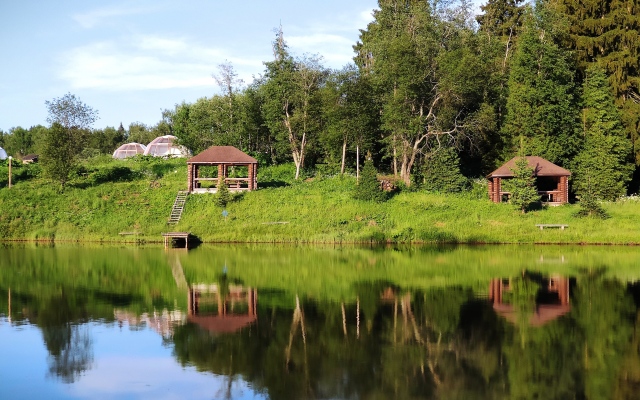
171	237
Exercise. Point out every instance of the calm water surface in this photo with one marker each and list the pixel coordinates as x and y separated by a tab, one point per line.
269	322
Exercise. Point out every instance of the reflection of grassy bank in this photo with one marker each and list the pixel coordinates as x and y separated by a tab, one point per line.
108	198
333	273
142	278
139	279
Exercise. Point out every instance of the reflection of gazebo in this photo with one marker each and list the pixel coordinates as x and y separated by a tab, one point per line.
552	180
552	300
221	157
220	313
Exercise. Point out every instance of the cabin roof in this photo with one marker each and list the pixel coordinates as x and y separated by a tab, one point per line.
30	157
222	155
541	167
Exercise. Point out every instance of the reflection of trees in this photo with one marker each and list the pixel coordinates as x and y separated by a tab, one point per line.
74	356
606	315
68	342
410	348
441	343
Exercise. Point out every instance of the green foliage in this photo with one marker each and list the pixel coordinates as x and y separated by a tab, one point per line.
590	207
368	188
59	153
140	133
442	172
291	105
501	18
70	112
604	166
223	195
522	186
541	112
606	33
70	121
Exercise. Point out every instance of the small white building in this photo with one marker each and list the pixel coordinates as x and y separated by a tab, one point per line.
3	154
165	146
129	150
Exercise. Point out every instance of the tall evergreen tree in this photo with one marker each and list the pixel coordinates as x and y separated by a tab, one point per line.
607	32
541	114
604	166
500	26
501	18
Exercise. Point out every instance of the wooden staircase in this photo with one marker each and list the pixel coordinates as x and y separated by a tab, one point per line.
178	206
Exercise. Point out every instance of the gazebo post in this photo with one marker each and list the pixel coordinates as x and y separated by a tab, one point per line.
221	174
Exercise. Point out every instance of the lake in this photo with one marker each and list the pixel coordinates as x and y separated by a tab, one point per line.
317	322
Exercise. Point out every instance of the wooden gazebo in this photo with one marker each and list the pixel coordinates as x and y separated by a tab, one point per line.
221	157
552	181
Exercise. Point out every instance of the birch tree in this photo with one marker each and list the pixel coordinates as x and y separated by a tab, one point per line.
291	107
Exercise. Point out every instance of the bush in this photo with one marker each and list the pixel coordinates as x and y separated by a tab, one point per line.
441	172
368	189
114	173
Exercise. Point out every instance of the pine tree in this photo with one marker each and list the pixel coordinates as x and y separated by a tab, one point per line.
589	205
540	107
368	188
522	186
442	172
604	166
607	32
501	18
223	196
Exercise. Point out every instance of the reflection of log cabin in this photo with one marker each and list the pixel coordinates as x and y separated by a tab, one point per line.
222	313
552	300
551	180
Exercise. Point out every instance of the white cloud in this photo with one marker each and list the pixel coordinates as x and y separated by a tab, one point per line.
146	62
95	17
335	50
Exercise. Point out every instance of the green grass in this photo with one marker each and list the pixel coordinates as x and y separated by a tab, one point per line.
107	197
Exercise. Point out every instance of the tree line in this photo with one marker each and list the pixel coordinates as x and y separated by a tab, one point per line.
433	90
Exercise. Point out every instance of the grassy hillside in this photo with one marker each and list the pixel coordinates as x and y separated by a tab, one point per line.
108	197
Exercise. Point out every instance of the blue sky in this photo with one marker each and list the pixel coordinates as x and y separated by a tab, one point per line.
131	59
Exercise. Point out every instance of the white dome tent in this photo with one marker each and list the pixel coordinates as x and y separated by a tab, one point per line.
3	154
164	146
129	150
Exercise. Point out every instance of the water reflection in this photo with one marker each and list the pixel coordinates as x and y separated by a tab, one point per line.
536	298
221	308
390	325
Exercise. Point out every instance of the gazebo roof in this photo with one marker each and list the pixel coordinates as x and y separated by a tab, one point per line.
222	324
541	167
222	155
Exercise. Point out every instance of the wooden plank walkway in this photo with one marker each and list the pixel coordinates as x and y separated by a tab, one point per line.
170	237
178	206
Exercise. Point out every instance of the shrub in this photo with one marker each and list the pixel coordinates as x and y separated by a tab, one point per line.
368	189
